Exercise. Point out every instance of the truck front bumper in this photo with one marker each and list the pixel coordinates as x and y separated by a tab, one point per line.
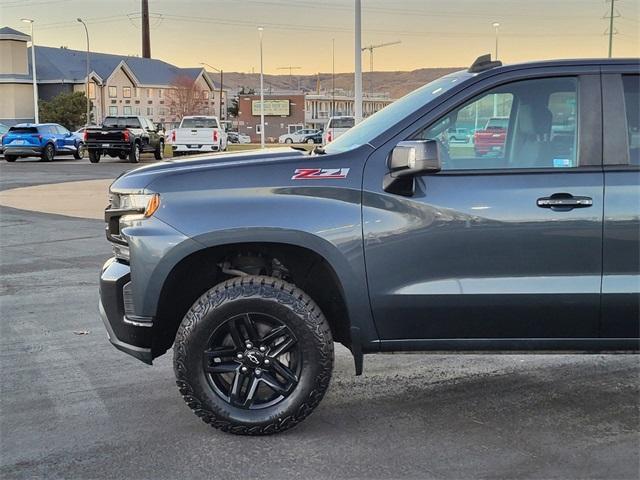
133	336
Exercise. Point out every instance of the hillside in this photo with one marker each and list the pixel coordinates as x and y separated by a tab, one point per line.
396	84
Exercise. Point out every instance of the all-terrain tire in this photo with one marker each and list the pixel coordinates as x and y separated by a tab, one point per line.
255	294
159	151
94	156
134	153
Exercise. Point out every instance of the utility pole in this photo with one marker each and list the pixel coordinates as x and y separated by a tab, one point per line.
260	30
496	25
371	48
146	42
612	14
333	77
357	83
290	68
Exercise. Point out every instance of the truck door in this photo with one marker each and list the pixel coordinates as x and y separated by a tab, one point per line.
621	250
504	244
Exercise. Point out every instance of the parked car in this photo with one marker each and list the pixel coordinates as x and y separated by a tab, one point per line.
125	137
459	135
299	136
44	140
236	137
198	134
251	265
336	126
312	138
3	129
492	138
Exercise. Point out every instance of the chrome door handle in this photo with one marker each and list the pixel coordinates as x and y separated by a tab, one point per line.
564	202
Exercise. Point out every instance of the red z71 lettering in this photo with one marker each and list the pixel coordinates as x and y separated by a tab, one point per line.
319	173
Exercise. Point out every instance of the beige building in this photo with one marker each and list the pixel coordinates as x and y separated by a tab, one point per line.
16	90
118	85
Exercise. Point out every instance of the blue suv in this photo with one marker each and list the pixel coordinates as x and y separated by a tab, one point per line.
45	140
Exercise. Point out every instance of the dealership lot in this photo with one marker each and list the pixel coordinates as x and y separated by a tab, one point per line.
73	406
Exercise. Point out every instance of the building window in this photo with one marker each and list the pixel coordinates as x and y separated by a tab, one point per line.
113	92
205	95
150	111
149	92
160	93
127	110
92	89
258	129
136	111
113	110
126	92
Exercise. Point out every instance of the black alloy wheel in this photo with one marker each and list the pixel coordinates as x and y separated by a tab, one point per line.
253	361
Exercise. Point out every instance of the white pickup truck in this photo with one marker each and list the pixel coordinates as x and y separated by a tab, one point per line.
198	134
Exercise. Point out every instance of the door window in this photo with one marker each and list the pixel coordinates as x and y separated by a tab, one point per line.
631	85
525	124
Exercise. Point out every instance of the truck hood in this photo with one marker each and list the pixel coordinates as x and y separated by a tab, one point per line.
135	181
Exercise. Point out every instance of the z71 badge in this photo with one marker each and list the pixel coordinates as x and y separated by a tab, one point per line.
319	173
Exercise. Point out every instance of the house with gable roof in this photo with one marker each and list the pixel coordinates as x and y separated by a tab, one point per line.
118	84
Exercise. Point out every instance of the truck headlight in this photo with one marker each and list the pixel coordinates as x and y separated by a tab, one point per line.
145	203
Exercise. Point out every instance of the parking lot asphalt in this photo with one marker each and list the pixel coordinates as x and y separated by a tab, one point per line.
71	406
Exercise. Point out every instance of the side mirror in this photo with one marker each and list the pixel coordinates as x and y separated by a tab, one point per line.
407	160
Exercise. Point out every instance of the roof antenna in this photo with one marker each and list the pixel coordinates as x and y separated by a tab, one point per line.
483	63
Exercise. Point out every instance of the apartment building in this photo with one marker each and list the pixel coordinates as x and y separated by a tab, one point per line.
118	84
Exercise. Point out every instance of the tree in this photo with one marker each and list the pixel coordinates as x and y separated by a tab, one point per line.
185	97
67	109
234	107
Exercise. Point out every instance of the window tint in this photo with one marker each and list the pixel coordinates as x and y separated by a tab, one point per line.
526	124
199	122
23	130
121	122
631	85
344	122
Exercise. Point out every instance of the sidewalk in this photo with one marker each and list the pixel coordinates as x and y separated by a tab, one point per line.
84	199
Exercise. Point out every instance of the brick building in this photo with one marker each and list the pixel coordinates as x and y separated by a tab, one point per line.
283	113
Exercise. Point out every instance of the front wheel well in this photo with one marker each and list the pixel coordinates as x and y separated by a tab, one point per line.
202	270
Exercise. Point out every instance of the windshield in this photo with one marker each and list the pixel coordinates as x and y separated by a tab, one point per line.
379	122
199	122
121	122
342	122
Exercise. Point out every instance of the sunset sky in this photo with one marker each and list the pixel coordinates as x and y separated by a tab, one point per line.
299	32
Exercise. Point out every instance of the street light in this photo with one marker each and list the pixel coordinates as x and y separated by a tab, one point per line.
260	30
496	25
86	31
36	117
221	77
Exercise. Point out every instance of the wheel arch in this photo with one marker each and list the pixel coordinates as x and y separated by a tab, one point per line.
318	272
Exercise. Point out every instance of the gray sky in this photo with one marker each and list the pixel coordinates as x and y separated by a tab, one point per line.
299	32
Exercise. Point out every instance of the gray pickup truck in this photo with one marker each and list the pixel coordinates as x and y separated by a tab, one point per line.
390	238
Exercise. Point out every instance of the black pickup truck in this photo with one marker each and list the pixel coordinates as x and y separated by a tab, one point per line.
125	137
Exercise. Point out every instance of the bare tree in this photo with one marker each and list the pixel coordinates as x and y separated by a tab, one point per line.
185	97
